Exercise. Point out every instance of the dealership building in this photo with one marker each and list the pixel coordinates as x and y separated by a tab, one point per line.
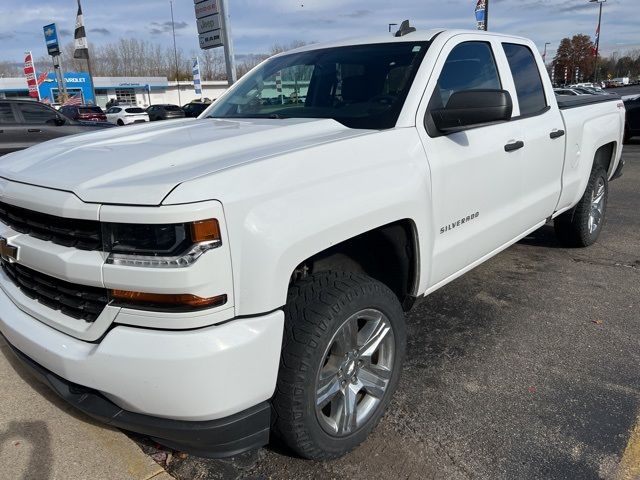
140	91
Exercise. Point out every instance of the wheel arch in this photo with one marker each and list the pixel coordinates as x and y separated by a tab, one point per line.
389	253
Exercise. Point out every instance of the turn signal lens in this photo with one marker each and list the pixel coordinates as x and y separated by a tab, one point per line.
205	231
178	301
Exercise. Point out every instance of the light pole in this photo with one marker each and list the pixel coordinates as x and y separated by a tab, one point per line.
175	53
595	71
544	55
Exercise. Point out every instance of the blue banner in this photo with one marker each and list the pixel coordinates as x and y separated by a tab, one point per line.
51	39
481	15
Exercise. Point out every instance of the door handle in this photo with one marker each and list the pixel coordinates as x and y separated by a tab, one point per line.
556	134
33	130
512	147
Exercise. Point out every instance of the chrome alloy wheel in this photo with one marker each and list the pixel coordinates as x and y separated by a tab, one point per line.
596	211
356	372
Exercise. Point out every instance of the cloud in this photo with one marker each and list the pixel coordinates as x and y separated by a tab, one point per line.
165	27
64	32
6	36
101	31
357	14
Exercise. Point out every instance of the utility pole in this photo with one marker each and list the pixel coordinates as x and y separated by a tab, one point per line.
227	42
175	53
595	71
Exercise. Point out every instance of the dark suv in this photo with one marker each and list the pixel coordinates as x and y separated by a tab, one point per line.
84	113
164	112
194	109
24	123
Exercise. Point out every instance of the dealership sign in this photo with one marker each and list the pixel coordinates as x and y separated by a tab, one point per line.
206	8
51	39
210	39
208	24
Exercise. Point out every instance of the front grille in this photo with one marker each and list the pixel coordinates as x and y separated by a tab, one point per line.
69	232
77	301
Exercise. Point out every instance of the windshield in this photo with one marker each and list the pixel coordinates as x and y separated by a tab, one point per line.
362	86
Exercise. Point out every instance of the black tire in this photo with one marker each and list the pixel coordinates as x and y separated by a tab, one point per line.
317	308
573	227
120	123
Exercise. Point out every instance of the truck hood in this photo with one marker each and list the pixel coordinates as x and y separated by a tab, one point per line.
140	165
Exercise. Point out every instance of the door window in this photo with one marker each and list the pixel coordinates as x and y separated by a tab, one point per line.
470	66
6	113
37	114
526	76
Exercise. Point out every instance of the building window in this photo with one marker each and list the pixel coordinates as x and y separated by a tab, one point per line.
126	96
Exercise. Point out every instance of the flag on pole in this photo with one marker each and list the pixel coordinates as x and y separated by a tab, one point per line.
197	83
481	14
594	50
30	73
75	100
80	45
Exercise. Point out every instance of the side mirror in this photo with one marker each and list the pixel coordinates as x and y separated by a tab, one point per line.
473	108
59	121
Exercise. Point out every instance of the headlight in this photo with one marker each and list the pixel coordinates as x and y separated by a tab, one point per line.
161	246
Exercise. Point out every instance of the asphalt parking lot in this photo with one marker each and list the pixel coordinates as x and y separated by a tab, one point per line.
525	368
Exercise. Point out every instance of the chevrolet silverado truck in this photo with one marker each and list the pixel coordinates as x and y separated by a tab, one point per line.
211	282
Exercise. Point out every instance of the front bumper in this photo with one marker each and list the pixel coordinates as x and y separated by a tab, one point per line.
214	438
193	375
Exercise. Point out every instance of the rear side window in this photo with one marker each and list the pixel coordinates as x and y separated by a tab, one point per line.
90	110
6	113
470	66
34	113
526	76
171	108
134	110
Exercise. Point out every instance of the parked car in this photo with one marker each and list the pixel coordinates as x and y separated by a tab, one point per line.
568	92
202	275
164	112
24	123
83	113
126	115
632	123
194	109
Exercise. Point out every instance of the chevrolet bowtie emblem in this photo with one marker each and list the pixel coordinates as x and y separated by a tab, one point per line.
8	253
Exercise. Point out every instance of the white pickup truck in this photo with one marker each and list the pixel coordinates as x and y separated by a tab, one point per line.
212	281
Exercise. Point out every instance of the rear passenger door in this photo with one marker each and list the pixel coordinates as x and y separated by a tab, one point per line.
537	115
43	123
11	132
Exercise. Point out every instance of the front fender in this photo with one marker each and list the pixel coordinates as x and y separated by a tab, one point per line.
282	210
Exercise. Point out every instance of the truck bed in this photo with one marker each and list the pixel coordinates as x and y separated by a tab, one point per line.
570	101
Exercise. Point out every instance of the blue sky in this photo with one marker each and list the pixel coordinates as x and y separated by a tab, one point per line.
258	24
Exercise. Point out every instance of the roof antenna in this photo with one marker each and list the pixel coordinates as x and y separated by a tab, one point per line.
405	28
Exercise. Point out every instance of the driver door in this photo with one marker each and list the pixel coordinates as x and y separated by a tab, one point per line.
476	182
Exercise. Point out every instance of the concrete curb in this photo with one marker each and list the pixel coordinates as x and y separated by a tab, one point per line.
42	437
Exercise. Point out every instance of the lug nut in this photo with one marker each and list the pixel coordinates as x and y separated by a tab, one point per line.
343	383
